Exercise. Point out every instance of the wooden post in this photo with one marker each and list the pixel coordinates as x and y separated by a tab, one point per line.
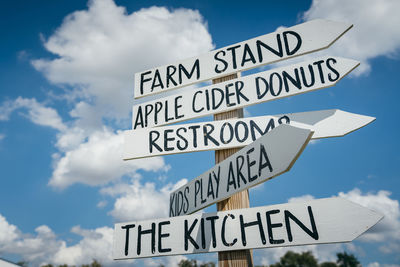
238	258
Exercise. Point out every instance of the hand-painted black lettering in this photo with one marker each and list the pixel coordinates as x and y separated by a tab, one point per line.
320	71
271	225
193	102
142	80
284	117
179	203
177	107
141	232
153	137
223	231
127	227
247	55
254	127
298	44
231	178
186	203
171	69
295	81
212	220
245	131
230	133
313	233
139	119
225	64
203	234
278	52
244	225
312	77
196	191
239	166
168	139
171	205
161	236
195	68
158	107
148	109
228	95
264	157
210	187
216	103
329	63
273	85
167	118
208	129
238	90
217	179
187	235
181	139
249	164
233	52
194	129
264	85
157	82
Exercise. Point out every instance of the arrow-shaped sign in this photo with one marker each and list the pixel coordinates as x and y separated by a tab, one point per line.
271	155
248	90
283	44
215	135
320	221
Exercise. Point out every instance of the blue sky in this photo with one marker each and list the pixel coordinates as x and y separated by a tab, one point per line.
66	86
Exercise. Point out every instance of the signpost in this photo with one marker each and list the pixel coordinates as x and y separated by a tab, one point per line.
272	145
216	135
286	43
292	224
267	157
248	90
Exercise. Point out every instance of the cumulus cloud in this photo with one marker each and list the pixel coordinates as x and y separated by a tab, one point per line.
375	32
37	112
132	198
99	49
99	161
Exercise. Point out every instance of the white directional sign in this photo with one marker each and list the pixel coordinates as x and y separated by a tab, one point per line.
248	90
215	135
320	221
271	155
285	43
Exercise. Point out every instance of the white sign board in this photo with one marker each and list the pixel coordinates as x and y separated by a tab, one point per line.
285	43
320	221
269	156
215	135
249	90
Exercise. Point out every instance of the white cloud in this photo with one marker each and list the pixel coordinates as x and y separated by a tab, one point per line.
99	161
375	32
98	50
36	112
133	198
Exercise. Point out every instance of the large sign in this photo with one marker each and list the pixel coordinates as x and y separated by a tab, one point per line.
269	156
249	90
320	221
282	44
215	135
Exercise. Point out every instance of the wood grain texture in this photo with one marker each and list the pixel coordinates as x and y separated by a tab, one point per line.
238	258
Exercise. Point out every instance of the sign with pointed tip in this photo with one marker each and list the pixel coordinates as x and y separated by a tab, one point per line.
321	221
269	156
285	43
244	91
215	135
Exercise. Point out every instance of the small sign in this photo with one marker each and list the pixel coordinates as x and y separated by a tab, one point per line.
320	221
215	135
241	92
285	43
269	156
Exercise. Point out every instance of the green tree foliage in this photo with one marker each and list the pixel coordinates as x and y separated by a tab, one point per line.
347	260
292	259
193	263
328	264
